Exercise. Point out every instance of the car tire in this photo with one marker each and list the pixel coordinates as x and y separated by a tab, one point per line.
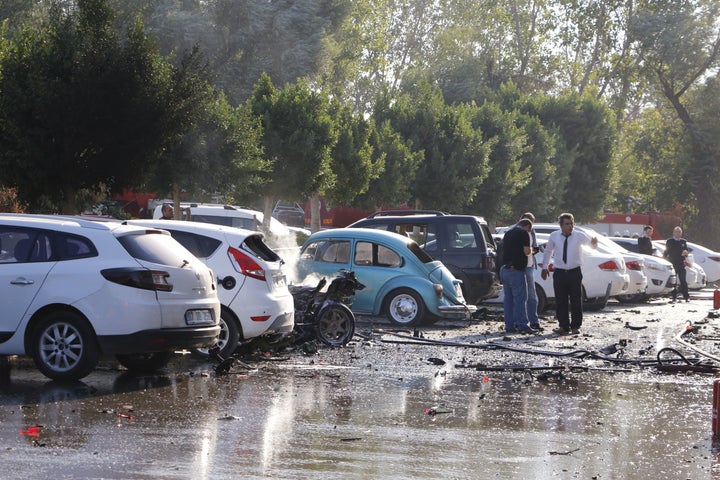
230	335
64	346
593	304
145	362
335	325
542	304
629	299
404	307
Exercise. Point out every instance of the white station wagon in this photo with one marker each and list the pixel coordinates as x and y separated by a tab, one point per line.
72	290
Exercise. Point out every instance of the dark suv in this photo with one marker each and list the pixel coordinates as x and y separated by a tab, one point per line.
462	242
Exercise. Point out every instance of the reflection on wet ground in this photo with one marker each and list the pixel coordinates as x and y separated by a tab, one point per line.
302	418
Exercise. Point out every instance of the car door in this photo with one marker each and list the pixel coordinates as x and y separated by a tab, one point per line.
374	265
24	266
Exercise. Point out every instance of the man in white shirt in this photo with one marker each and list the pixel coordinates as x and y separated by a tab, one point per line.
565	248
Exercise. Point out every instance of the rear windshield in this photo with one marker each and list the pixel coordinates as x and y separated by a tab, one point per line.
419	252
156	247
255	244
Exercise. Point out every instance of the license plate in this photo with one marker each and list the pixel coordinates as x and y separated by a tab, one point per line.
279	281
199	317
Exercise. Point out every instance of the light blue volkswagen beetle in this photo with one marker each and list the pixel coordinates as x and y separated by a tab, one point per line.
401	280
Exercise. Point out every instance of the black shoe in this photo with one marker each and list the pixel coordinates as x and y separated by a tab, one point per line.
511	330
528	331
537	327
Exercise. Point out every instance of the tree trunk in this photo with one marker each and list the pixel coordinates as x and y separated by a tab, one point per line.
177	211
314	212
69	206
268	202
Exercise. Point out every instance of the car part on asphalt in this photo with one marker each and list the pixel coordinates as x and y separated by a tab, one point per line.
326	316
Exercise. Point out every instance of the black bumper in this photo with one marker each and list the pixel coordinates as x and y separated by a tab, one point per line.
161	340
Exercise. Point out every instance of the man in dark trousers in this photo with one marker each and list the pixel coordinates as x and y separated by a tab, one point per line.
565	246
516	250
645	245
676	251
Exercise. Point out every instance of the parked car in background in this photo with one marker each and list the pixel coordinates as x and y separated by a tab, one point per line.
72	290
401	280
279	237
634	264
463	243
604	276
660	273
694	273
289	213
708	259
251	277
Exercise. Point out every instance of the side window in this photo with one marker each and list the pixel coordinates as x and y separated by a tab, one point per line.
21	245
327	251
422	233
73	246
335	252
367	253
461	236
199	245
215	219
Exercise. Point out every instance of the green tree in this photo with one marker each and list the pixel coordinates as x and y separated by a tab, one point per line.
455	158
354	161
679	44
299	134
585	130
80	108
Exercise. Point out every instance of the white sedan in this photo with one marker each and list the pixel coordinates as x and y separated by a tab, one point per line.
708	259
604	276
694	273
660	273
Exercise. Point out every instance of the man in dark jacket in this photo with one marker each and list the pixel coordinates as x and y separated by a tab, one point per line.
676	251
645	242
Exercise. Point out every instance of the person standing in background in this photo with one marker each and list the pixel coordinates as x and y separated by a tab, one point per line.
645	242
516	251
532	299
565	246
676	251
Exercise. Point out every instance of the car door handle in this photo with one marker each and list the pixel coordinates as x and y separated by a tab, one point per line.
22	281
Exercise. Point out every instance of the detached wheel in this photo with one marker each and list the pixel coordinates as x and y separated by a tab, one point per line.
145	362
229	338
64	346
404	307
335	325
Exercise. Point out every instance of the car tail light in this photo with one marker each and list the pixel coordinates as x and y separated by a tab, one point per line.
139	278
633	265
245	265
609	265
261	318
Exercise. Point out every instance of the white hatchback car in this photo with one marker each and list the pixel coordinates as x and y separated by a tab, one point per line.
280	237
251	277
72	290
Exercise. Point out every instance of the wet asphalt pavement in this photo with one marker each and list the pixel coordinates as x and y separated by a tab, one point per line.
456	400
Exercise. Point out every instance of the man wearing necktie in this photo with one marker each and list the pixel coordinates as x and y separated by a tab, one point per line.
565	248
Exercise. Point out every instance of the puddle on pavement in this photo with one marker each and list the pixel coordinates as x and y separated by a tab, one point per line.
285	422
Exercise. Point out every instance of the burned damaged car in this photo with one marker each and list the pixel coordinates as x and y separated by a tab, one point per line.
401	280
